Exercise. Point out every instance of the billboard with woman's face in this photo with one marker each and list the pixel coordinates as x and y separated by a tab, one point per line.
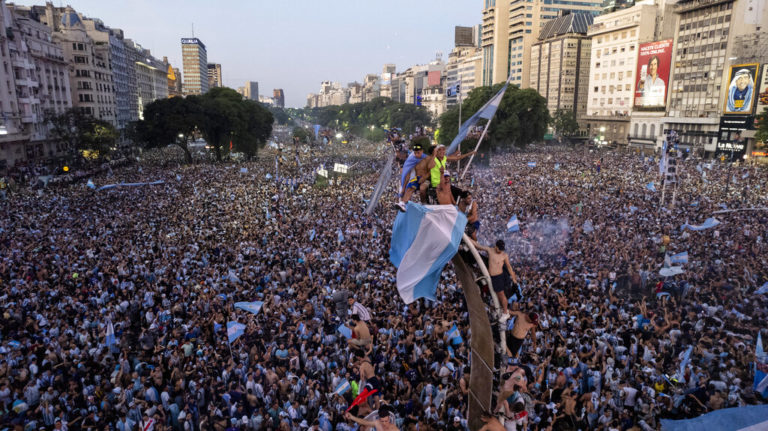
740	97
653	63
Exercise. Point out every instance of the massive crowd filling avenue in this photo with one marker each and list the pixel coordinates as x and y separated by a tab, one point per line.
119	304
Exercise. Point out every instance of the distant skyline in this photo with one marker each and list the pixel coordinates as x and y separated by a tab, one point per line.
291	44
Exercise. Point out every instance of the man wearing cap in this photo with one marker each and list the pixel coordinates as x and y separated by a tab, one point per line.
498	261
523	323
408	181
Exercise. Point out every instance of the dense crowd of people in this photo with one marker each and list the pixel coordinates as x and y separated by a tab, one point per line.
164	265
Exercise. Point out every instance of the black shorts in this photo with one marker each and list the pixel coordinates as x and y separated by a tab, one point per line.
513	343
500	282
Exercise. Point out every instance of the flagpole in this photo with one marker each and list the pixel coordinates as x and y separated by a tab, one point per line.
479	141
458	162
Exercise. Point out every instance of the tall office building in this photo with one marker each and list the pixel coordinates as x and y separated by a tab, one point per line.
214	75
559	68
250	91
195	63
279	97
510	27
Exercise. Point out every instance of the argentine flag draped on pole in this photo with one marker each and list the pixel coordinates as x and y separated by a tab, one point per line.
424	239
679	258
251	307
110	336
342	388
761	368
513	225
487	112
234	331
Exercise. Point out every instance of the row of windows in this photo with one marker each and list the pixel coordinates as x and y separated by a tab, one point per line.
618	36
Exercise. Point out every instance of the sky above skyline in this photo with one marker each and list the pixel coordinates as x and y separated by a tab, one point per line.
290	44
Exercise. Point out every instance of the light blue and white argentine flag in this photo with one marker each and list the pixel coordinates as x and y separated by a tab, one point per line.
650	187
763	289
760	383
708	223
513	225
251	307
234	331
679	258
531	164
342	388
110	335
487	112
454	335
424	239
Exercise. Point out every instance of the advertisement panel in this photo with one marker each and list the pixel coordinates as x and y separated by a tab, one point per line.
762	96
653	63
433	78
740	98
386	78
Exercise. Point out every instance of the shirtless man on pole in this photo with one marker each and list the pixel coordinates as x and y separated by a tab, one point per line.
444	195
383	423
524	322
497	261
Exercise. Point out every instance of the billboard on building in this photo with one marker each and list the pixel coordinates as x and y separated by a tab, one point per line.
741	95
433	78
386	78
762	95
653	64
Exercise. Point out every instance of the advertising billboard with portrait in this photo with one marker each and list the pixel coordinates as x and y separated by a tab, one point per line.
741	95
653	61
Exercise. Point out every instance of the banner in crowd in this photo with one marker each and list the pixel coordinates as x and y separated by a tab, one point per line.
737	418
653	64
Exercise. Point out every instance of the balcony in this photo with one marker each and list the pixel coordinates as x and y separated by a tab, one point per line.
688	5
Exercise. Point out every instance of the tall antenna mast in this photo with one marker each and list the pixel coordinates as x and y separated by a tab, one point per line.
193	29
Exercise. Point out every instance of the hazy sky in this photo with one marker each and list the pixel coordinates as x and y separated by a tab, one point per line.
290	44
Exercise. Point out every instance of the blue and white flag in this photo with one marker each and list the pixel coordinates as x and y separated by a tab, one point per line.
312	234
663	159
340	235
178	177
110	335
708	223
234	331
342	388
454	335
679	258
588	227
487	111
251	307
686	360
424	239
632	209
243	170
763	289
557	166
91	185
531	164
375	234
650	186
316	128
268	216
513	225
760	384
345	331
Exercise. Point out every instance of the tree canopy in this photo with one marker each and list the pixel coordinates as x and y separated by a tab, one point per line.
564	122
223	118
521	119
82	132
381	113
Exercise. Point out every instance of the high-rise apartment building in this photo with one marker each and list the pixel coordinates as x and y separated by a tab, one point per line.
36	85
615	42
510	27
388	74
151	76
195	63
464	68
559	68
706	40
214	75
279	97
251	90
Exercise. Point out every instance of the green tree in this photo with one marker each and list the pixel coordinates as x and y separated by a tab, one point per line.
255	128
564	122
301	133
521	119
359	117
761	134
81	132
169	122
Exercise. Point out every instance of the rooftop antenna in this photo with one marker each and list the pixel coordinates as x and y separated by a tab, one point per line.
193	29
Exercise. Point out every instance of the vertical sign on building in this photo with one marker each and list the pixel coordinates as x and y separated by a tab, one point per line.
740	98
761	148
653	63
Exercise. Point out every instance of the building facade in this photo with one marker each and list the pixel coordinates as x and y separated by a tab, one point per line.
511	27
151	76
615	40
279	97
195	64
559	68
35	86
707	37
214	75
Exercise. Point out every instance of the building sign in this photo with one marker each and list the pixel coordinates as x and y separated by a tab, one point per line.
740	98
731	142
653	62
433	78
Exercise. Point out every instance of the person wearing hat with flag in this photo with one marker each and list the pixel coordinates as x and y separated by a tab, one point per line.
410	179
